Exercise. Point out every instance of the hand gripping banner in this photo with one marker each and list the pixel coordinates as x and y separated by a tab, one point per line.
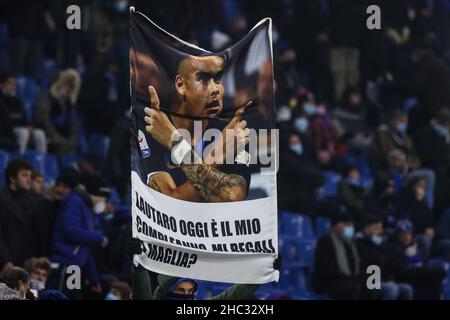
203	155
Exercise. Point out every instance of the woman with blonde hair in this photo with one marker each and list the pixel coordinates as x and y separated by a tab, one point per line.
56	112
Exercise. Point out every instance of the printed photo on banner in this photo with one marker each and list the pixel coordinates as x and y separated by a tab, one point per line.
203	153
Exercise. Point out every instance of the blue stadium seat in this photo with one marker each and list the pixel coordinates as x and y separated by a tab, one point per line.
4	158
37	160
305	252
297	252
361	163
323	225
27	92
98	143
329	189
45	163
66	161
51	168
297	225
47	72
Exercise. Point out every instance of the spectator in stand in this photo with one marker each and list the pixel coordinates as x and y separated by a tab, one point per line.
337	270
322	131
37	183
119	157
99	95
373	252
426	280
23	129
119	291
74	234
299	177
39	270
351	121
352	194
393	136
56	113
411	205
27	22
346	23
8	140
21	228
14	284
429	82
433	144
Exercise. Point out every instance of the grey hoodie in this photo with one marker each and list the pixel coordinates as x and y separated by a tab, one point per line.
6	293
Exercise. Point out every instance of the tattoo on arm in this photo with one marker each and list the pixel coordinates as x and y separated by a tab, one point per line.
211	185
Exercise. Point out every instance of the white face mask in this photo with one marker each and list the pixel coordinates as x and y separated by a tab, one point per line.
37	285
99	207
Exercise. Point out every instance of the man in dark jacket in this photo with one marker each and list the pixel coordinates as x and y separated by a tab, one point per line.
429	82
299	177
20	226
337	270
23	129
373	252
433	144
74	233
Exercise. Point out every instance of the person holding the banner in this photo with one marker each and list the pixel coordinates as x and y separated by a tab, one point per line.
188	177
175	288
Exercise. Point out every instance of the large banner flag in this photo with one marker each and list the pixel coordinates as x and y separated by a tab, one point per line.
203	154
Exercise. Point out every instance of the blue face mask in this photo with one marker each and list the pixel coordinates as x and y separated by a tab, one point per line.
376	240
310	109
349	232
301	124
110	296
401	127
297	149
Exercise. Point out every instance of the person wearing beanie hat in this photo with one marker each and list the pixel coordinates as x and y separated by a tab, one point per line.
99	192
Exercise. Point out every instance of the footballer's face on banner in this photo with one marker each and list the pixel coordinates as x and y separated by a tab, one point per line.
199	83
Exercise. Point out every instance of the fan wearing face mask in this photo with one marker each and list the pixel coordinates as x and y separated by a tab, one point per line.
372	251
74	235
39	270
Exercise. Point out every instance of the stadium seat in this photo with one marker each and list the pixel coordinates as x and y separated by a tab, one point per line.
47	72
361	163
4	158
45	163
329	189
66	161
27	92
323	225
297	252
98	143
37	160
297	225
